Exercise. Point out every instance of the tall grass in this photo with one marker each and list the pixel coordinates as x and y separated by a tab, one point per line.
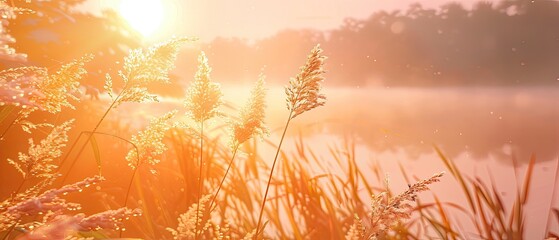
486	208
200	186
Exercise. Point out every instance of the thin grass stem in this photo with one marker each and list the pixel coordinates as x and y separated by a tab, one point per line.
129	188
13	196
20	186
10	231
553	196
224	177
10	126
90	135
200	180
270	177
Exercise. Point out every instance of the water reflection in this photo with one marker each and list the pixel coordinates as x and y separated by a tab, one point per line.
478	122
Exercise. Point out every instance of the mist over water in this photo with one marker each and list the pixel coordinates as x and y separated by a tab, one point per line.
477	122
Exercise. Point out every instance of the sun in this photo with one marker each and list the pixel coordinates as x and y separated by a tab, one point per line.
143	15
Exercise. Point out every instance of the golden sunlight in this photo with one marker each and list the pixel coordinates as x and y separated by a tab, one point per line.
143	15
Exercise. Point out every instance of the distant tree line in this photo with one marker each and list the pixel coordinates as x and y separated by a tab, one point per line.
507	43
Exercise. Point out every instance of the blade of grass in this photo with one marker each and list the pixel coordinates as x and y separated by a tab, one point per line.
96	153
553	196
528	179
482	215
452	168
5	112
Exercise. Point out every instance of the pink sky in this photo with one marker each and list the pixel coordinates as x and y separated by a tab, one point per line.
256	19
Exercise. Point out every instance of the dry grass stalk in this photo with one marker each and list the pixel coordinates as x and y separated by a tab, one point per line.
250	124
47	202
149	142
33	88
202	102
19	85
207	228
57	89
65	226
251	117
387	212
357	230
148	147
144	66
191	221
303	94
140	67
39	162
204	96
303	91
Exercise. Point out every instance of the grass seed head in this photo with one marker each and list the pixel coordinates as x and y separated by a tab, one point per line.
204	97
251	119
303	92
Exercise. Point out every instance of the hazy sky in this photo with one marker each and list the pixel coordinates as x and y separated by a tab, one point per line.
255	19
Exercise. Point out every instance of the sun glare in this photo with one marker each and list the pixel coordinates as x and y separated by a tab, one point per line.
143	15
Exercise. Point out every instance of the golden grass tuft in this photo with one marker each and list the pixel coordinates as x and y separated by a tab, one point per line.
302	95
388	212
19	86
148	143
303	91
58	88
49	203
251	119
204	96
191	221
39	162
144	66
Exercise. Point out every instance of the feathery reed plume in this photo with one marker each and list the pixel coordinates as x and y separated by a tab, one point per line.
388	212
202	102
303	91
110	219
149	142
250	235
149	146
33	88
251	117
356	231
207	230
64	226
39	160
250	123
57	89
49	201
19	85
144	66
204	97
140	67
303	94
189	221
